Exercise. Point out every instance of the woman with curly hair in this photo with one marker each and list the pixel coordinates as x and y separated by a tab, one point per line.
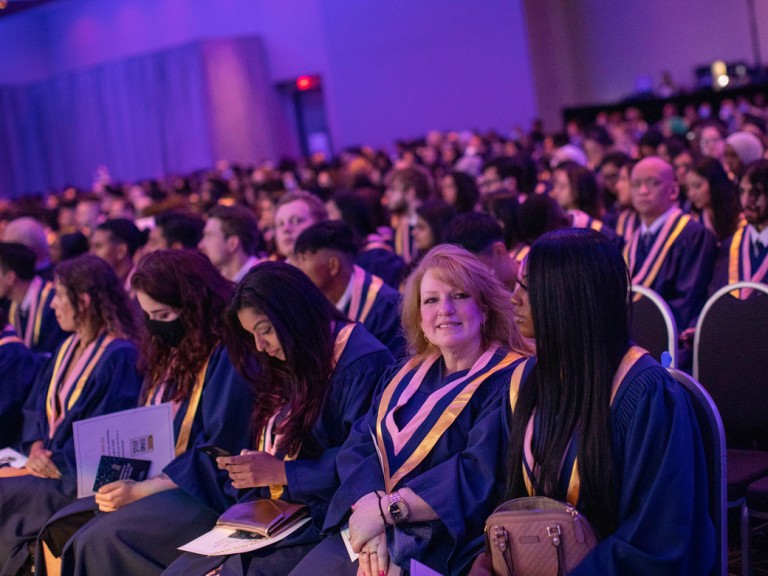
92	373
183	297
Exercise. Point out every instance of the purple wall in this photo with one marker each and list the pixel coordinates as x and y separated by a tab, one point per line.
592	51
401	68
389	69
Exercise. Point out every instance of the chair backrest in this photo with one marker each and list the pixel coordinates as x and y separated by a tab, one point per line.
713	437
731	361
652	325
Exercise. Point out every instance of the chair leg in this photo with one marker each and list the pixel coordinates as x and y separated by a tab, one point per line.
746	551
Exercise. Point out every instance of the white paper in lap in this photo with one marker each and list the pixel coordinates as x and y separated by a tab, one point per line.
144	433
221	542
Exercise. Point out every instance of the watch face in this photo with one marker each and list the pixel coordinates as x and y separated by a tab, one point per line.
398	511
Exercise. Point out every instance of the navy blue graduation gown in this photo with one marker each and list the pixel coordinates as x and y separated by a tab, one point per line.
457	479
731	265
685	273
142	537
312	476
663	524
383	263
27	502
18	366
383	319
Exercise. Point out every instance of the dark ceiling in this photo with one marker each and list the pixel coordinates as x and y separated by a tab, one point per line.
16	6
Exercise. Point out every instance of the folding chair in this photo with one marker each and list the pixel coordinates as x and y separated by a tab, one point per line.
713	436
652	325
731	362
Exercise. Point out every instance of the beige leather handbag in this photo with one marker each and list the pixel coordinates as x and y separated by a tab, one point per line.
537	536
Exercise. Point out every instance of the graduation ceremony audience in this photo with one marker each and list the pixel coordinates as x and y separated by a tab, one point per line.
347	328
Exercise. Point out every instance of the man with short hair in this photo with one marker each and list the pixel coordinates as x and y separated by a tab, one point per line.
326	253
116	241
30	310
407	189
232	241
294	213
482	235
670	252
175	229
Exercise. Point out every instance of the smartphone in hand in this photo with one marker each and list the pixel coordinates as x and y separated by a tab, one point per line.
214	451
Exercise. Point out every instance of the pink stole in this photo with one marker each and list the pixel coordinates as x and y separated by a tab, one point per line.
64	393
633	354
361	303
647	273
432	419
36	309
740	263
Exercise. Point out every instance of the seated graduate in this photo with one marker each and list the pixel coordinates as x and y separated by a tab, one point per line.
183	297
92	373
326	253
575	188
314	374
363	211
19	366
670	252
744	256
30	296
714	198
436	418
600	424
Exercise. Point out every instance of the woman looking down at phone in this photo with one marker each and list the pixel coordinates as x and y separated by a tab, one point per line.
314	373
183	297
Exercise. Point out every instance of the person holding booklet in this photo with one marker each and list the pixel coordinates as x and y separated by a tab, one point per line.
314	374
598	423
92	373
418	471
185	363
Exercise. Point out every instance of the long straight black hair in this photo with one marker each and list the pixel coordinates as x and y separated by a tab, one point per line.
302	317
578	288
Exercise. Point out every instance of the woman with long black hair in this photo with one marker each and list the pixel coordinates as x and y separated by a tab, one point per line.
313	373
598	423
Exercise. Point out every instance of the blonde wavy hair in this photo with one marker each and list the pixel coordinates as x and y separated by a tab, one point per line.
460	268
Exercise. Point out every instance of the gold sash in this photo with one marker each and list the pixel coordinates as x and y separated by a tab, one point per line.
449	415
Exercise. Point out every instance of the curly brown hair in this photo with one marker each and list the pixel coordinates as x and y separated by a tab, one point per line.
110	307
186	281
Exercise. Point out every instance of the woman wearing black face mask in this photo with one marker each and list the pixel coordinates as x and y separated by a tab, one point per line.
183	297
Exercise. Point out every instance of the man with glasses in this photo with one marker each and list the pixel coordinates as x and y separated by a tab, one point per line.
670	253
